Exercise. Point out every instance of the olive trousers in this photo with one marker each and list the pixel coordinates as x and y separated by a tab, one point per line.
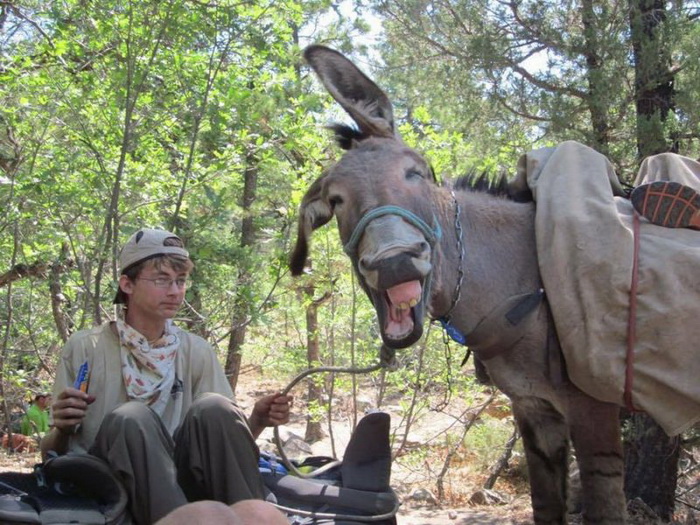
212	456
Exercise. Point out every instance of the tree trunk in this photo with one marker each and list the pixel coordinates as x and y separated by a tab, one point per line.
63	322
313	424
4	350
598	104
232	368
241	314
651	464
196	322
653	77
651	457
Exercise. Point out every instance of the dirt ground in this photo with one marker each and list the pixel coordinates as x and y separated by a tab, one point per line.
463	481
415	483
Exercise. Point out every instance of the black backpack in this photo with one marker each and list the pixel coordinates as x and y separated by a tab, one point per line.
353	491
73	488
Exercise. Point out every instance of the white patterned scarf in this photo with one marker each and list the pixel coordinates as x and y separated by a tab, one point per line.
148	368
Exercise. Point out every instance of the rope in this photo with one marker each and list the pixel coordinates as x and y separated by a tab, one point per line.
632	321
387	359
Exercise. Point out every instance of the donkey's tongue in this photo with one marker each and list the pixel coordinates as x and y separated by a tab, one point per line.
405	295
401	298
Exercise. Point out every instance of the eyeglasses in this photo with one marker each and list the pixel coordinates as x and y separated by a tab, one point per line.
164	282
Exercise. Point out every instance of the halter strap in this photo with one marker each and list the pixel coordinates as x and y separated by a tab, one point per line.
432	235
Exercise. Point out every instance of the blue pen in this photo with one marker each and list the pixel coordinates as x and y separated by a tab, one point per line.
81	382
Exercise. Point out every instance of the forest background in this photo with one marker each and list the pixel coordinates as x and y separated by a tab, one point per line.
199	117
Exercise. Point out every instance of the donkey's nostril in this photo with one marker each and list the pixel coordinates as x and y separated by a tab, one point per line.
419	249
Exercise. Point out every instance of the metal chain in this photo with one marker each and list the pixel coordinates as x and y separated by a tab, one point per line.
457	294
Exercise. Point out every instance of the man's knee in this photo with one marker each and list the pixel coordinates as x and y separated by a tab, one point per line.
246	512
210	512
215	407
131	416
253	512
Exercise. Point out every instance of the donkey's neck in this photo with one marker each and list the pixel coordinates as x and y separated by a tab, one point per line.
498	256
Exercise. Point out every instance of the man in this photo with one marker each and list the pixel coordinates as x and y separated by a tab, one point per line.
247	512
36	420
154	402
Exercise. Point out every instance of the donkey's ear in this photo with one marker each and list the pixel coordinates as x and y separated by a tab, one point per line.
314	212
361	98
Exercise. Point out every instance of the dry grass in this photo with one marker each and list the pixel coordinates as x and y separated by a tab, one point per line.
18	461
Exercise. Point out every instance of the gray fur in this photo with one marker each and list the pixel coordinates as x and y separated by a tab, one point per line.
500	262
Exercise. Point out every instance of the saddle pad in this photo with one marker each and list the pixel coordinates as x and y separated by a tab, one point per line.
585	246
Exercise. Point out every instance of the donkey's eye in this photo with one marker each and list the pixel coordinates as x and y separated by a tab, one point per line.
413	173
335	200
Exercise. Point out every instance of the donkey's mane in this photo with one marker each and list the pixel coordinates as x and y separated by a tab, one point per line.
481	182
345	135
498	186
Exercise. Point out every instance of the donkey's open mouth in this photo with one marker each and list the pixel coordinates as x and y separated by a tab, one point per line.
400	310
401	299
395	261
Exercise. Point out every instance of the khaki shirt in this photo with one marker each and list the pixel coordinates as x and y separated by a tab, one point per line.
197	371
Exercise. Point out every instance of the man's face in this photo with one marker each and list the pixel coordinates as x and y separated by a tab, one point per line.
43	401
155	293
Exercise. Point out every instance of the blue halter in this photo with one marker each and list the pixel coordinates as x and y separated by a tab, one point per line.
432	235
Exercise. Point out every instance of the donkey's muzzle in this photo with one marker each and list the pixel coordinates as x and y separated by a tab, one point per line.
387	272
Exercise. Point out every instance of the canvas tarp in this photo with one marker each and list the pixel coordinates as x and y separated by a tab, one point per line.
585	245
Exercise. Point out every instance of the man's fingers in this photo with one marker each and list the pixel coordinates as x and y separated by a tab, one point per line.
70	409
70	404
70	412
65	423
71	392
283	400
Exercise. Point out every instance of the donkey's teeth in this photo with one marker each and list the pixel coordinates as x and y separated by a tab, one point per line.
412	302
404	306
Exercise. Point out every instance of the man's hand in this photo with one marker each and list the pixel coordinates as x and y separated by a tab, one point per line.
270	411
68	412
69	409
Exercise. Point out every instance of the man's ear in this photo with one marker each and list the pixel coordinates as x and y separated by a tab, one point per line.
126	285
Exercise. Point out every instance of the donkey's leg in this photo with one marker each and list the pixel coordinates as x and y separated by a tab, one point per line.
595	432
546	443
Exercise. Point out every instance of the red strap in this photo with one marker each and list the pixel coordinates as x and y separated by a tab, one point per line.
632	321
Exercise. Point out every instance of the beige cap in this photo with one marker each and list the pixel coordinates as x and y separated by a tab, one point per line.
146	244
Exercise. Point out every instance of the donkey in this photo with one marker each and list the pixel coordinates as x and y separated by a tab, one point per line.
468	258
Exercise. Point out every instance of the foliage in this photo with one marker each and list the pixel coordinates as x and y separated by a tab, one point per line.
119	114
528	74
115	115
485	442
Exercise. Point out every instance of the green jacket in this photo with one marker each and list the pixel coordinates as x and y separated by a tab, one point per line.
35	420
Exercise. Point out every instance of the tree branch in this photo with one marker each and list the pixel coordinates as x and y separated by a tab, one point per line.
38	270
